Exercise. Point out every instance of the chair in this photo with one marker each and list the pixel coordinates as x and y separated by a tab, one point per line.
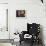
33	30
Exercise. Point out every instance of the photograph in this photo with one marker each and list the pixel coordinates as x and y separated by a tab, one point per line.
20	13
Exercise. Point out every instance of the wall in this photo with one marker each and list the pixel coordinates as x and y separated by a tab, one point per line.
3	1
35	12
3	21
3	34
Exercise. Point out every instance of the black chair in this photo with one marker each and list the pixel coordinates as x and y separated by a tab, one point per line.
32	29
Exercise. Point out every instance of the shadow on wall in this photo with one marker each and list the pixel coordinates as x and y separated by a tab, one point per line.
41	34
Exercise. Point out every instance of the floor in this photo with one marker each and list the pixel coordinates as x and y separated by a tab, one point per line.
22	44
5	44
26	44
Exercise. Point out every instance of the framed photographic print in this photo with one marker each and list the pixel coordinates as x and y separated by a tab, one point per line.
20	13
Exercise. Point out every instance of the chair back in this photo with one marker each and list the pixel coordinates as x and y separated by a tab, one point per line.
33	28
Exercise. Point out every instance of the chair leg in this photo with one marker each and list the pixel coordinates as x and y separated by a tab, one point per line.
20	42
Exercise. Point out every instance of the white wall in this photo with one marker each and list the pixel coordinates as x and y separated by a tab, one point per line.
3	1
3	21
35	12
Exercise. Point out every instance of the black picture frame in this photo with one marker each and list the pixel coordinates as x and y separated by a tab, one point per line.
20	13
